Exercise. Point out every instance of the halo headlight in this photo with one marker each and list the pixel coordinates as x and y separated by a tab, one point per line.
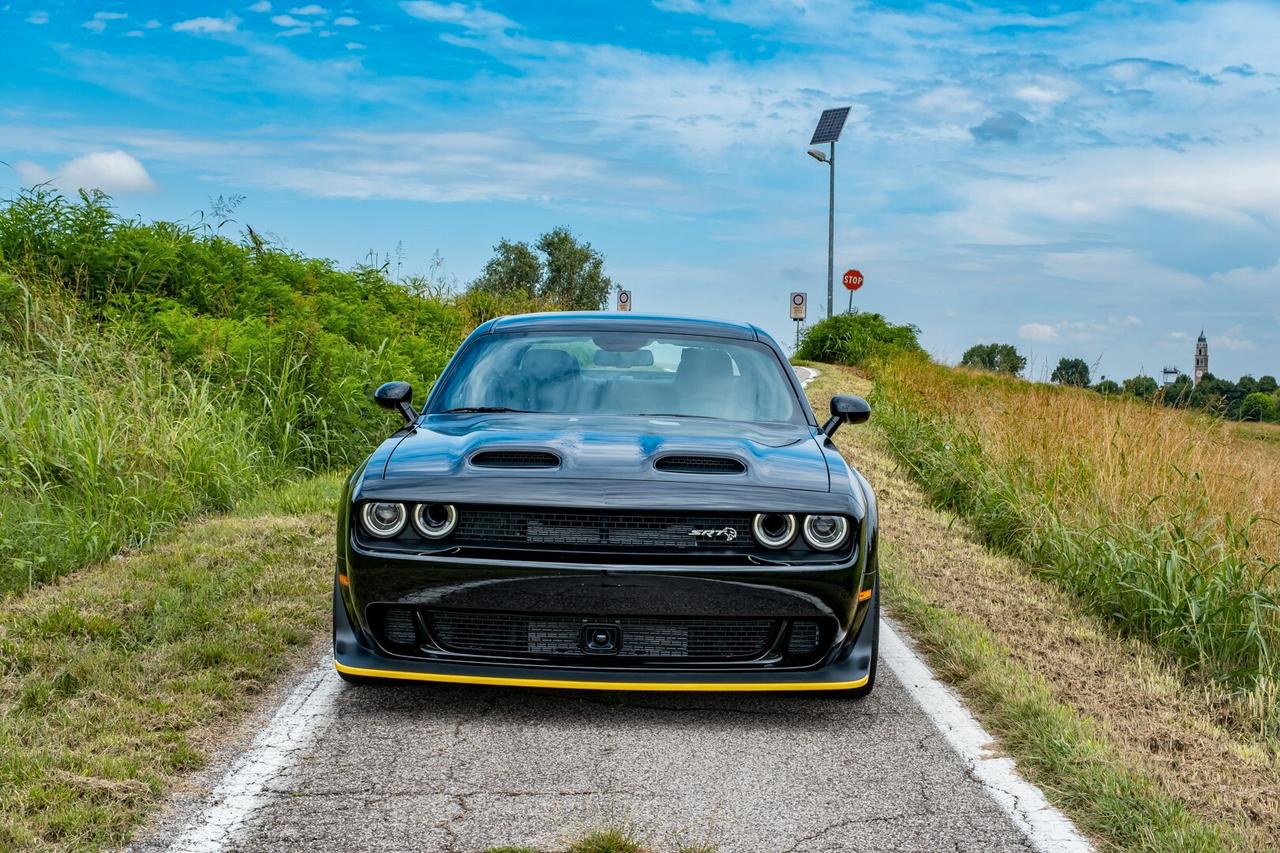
774	529
383	520
435	521
825	532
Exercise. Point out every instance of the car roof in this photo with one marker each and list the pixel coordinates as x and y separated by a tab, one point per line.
565	321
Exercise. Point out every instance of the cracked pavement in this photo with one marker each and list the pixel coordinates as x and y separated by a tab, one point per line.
457	768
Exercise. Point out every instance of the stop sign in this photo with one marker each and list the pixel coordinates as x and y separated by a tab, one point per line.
852	280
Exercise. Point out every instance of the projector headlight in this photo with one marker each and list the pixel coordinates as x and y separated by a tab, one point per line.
383	520
825	532
435	521
774	529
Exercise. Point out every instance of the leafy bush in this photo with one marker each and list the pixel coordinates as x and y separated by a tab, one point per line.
857	339
149	371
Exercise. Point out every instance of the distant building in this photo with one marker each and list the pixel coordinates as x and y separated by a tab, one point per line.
1202	359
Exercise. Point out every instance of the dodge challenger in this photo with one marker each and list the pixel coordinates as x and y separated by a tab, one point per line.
611	502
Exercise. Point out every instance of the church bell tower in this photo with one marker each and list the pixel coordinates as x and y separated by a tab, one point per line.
1202	359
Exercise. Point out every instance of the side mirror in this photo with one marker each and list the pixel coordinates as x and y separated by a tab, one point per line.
397	396
846	408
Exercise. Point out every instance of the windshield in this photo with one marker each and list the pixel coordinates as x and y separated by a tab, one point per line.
620	373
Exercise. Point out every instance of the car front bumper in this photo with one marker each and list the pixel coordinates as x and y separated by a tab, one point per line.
845	597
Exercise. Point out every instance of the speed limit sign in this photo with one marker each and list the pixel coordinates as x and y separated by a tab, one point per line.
624	300
798	304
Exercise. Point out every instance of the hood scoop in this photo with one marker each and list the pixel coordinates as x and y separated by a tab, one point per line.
700	465
523	459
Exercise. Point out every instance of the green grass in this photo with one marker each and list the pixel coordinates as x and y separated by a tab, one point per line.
1186	575
114	681
150	372
1059	750
604	841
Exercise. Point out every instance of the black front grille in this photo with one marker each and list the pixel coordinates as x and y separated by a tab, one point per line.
639	637
602	529
515	459
700	465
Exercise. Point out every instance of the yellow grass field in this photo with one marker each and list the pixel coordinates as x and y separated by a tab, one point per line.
1163	521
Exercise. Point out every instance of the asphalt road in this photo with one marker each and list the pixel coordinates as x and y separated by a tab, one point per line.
458	768
455	768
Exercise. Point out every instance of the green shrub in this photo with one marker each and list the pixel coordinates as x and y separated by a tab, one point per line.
149	371
857	339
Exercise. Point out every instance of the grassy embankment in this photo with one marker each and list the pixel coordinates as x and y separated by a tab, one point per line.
1103	724
1163	522
153	371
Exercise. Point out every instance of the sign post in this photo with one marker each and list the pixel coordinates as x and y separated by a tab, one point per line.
852	281
624	300
799	303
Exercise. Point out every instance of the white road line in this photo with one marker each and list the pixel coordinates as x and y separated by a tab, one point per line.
1048	829
243	789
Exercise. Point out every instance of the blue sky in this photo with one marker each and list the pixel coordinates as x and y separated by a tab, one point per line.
1098	180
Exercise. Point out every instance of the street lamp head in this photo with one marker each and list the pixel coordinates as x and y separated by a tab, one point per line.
818	155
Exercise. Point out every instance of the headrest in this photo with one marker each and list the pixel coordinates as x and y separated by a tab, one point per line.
707	363
545	364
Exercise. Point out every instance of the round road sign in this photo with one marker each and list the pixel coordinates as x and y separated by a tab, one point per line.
852	280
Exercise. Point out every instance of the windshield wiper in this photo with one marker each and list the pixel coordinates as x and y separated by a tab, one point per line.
481	409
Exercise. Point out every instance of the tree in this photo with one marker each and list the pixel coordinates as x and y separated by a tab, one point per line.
513	270
999	358
560	270
1267	385
1071	371
1258	407
1107	387
1142	387
574	272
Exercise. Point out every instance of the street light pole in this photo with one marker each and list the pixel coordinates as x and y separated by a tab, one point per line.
831	231
828	131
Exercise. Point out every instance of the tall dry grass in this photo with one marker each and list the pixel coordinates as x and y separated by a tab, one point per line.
1104	459
1162	521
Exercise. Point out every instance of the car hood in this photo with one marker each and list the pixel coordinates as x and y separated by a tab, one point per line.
612	448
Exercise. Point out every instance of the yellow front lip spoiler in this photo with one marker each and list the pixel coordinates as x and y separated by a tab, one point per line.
568	684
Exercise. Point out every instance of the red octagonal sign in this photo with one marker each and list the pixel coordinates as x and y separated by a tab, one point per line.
852	280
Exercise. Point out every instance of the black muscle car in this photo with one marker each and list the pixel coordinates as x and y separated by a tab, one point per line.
611	501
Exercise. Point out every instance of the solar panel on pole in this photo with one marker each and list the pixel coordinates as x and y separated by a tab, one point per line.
829	126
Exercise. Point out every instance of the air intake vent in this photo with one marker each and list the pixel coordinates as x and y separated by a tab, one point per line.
515	459
700	465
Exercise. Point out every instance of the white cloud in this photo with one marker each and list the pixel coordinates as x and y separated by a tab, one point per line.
354	45
1037	332
152	24
208	26
98	22
135	34
346	21
470	17
260	6
289	21
38	17
114	172
1232	339
310	9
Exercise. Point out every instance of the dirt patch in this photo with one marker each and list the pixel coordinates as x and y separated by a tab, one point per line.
1155	722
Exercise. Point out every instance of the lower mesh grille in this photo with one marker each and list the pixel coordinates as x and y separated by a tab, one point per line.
398	628
803	639
639	637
